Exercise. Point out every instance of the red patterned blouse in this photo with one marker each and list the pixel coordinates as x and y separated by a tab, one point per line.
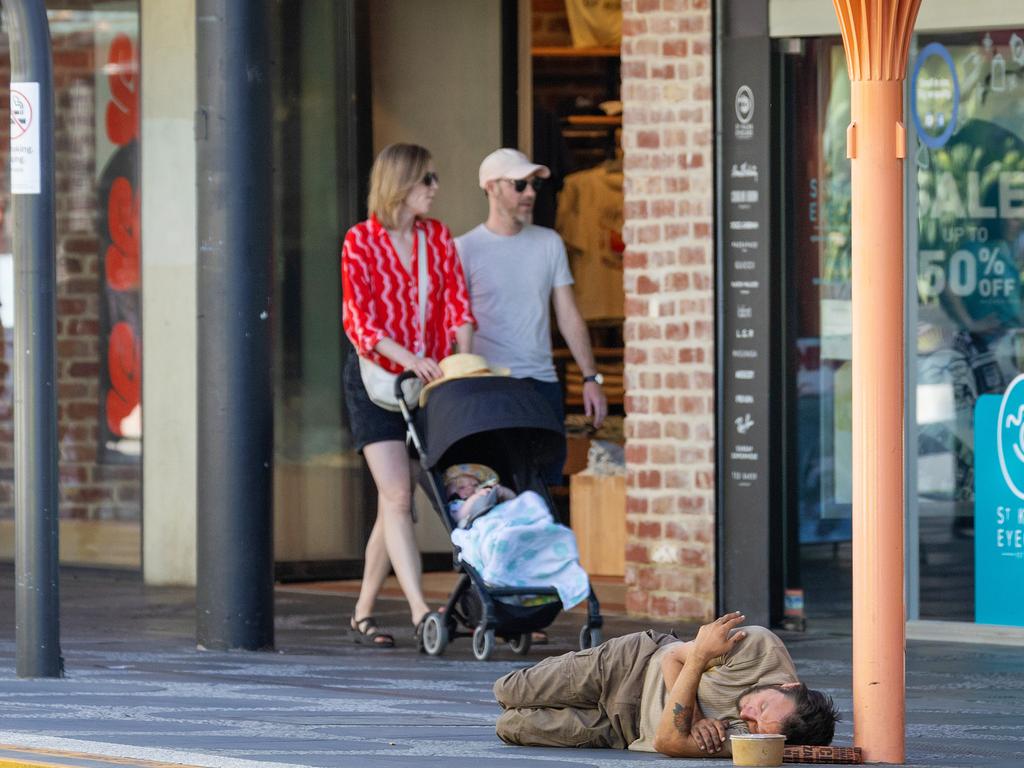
380	298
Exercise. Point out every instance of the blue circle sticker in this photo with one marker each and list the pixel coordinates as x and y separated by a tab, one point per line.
1010	436
934	95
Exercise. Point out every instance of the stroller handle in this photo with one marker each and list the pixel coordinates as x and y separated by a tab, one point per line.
403	377
407	411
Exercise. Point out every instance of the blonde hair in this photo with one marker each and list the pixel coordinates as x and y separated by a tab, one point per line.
397	169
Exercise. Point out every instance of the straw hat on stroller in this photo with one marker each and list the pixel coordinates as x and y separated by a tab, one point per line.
462	365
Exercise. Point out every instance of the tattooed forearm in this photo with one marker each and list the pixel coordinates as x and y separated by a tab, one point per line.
682	718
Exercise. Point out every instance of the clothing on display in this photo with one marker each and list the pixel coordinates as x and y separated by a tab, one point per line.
590	222
594	22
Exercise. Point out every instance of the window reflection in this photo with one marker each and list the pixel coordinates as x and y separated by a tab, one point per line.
967	106
966	221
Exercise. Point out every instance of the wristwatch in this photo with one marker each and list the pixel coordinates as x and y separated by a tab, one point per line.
597	378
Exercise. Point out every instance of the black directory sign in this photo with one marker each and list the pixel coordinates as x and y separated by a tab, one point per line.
745	305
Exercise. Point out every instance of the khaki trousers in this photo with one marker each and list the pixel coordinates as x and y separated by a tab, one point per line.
588	698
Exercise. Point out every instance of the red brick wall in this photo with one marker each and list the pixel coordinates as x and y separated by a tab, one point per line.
89	490
668	148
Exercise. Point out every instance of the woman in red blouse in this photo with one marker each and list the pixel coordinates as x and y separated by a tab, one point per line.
380	304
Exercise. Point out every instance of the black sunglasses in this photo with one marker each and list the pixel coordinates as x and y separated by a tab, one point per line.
519	185
430	178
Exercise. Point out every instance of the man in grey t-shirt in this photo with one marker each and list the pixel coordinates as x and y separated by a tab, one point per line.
515	273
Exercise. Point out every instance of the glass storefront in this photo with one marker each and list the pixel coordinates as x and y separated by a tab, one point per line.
342	92
323	502
966	102
965	190
818	227
96	122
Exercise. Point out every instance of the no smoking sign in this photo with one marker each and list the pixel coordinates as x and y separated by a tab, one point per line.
25	155
21	114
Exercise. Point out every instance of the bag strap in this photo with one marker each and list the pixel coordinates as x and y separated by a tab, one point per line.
421	258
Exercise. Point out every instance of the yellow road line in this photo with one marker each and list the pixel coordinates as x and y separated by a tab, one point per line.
12	757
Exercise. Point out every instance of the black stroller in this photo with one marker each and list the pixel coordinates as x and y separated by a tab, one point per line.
503	423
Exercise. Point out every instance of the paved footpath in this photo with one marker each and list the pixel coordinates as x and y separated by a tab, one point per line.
137	692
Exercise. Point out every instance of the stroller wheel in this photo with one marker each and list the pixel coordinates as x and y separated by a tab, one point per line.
483	643
435	634
590	637
520	643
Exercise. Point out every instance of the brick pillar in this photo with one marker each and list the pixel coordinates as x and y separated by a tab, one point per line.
669	281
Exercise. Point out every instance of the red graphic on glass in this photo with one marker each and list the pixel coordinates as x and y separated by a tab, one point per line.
123	108
124	361
122	260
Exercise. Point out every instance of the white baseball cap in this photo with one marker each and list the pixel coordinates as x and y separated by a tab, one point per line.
509	164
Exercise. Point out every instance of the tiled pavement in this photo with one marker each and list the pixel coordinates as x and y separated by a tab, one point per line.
136	689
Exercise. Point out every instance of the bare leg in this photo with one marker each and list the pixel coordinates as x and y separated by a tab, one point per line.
389	465
376	568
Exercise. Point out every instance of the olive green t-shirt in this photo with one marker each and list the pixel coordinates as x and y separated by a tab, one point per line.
758	659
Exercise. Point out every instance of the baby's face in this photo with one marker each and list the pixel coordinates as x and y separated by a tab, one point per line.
465	485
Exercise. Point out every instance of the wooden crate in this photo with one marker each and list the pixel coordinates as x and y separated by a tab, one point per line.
597	511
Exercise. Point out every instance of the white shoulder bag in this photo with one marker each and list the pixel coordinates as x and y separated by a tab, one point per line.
380	383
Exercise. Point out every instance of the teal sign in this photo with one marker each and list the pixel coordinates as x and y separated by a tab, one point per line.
999	506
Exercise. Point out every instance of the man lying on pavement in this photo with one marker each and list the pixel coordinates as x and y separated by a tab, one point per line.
650	692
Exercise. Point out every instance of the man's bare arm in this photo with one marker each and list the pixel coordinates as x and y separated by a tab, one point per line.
674	736
574	330
672	663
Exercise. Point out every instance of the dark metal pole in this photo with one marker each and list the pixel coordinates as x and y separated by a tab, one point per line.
37	600
235	587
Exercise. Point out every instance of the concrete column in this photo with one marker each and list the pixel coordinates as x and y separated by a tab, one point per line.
168	291
876	36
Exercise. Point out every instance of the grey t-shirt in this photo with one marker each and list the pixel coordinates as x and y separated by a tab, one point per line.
510	280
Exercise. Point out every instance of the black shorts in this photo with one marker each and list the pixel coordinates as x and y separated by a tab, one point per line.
368	422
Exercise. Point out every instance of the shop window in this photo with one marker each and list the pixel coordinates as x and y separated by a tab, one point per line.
967	182
577	126
98	279
817	91
965	348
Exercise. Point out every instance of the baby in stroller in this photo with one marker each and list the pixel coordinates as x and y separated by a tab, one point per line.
518	568
511	540
472	489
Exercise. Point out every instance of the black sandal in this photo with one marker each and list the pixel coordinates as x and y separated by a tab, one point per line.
365	631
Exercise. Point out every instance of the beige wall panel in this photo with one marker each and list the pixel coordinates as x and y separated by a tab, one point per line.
436	78
168	292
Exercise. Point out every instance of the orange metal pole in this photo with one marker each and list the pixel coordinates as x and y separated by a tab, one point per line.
876	36
878	360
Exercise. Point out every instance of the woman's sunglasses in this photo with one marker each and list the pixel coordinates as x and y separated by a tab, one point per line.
519	185
430	178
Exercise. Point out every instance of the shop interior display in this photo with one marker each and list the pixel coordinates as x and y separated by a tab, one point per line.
577	121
